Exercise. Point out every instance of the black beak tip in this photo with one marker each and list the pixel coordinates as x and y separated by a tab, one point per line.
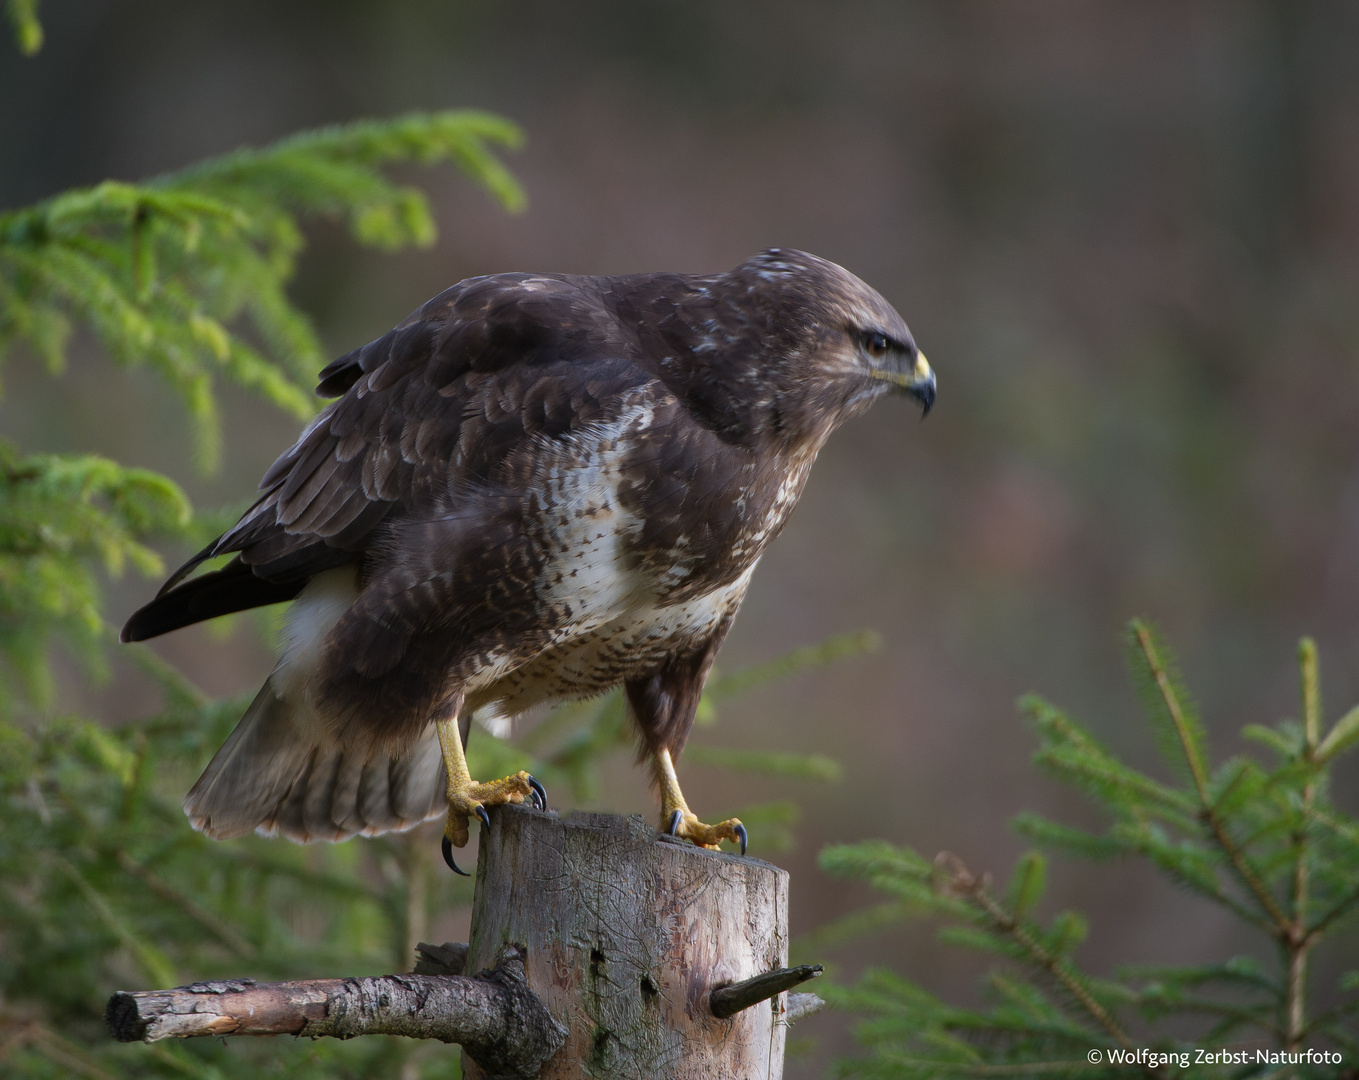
924	393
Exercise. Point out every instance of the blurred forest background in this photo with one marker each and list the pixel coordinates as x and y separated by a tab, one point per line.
1127	237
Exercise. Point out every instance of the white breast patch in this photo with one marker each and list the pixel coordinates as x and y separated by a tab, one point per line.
587	527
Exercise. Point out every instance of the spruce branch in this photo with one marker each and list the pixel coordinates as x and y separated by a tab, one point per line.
1345	906
1299	941
1323	1021
153	961
190	907
1303	850
188	272
56	1049
957	880
23	17
794	661
1240	864
174	684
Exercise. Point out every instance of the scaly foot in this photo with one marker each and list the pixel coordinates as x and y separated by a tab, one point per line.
472	797
685	824
676	817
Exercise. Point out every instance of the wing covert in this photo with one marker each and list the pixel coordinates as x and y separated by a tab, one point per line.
440	403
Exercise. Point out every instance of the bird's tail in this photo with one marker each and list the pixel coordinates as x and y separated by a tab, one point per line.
282	773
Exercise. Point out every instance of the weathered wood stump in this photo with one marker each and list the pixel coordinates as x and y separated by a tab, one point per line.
598	950
626	935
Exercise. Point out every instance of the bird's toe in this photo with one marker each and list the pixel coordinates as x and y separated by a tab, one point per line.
447	846
687	826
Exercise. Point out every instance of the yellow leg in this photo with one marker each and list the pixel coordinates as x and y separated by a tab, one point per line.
678	820
466	796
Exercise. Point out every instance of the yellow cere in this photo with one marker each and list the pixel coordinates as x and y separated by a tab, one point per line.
917	375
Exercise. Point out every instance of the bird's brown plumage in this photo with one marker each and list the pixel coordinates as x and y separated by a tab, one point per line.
535	487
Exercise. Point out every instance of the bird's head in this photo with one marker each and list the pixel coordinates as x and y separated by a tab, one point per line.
828	344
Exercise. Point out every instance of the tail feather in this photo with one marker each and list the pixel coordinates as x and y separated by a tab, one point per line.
280	774
375	794
405	780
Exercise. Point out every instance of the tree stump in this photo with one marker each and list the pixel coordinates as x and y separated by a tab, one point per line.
598	950
626	934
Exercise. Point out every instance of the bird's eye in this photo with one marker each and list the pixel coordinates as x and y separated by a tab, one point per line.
876	344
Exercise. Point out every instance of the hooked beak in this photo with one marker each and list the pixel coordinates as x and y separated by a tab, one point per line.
918	382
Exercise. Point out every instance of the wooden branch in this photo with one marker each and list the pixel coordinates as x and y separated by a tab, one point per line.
729	1000
500	1023
802	1005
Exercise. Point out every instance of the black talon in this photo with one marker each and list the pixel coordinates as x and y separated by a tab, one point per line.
675	820
539	794
741	832
483	815
447	846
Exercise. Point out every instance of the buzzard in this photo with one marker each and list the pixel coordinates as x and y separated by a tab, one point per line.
535	488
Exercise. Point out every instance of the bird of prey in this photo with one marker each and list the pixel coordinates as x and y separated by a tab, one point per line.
535	488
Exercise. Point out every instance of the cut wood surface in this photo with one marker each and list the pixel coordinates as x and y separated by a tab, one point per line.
626	935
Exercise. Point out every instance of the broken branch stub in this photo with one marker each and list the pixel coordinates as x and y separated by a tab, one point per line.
729	1000
500	1023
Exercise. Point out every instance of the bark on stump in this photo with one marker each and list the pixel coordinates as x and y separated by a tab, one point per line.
626	935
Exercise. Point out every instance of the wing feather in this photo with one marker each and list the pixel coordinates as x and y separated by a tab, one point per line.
311	515
438	406
309	482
